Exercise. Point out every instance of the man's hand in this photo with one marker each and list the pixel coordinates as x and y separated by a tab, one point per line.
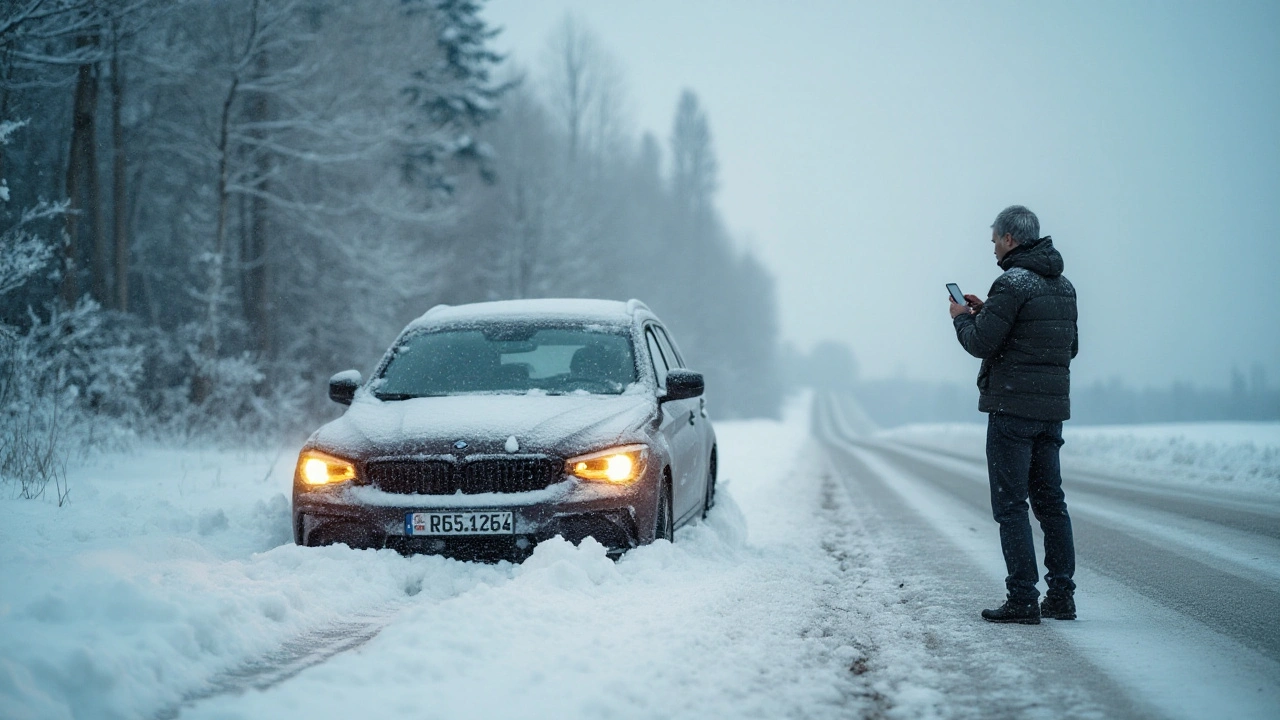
957	309
974	303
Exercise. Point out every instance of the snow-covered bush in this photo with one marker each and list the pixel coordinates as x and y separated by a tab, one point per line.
190	394
68	376
31	427
30	435
68	383
22	252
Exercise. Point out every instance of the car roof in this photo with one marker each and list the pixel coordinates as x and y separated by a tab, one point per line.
574	309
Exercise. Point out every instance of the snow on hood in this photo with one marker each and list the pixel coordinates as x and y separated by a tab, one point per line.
552	424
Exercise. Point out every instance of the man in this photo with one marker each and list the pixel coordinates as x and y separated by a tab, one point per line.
1025	334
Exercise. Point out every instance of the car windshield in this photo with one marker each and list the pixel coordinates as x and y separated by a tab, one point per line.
509	359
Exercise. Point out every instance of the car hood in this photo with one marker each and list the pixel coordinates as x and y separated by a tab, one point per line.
557	425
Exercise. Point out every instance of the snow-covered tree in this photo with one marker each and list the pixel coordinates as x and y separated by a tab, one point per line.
23	253
454	92
261	192
693	162
585	90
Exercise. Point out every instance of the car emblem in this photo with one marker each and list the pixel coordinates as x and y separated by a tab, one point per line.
461	445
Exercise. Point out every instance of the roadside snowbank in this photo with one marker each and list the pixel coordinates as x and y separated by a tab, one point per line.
167	568
1236	457
169	586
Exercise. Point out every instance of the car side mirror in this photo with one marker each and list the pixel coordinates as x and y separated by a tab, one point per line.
684	384
342	387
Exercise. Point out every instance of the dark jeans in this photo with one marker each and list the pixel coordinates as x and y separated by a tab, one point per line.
1022	463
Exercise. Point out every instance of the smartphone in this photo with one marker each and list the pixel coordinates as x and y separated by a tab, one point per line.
956	295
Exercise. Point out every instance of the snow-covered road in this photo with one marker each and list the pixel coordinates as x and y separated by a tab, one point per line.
1179	590
839	576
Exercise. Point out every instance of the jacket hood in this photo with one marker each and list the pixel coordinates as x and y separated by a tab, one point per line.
557	425
1040	258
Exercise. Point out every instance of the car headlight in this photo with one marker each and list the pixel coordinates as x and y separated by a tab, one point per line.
615	465
317	468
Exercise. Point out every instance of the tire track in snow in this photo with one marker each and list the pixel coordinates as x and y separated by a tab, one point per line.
291	657
840	543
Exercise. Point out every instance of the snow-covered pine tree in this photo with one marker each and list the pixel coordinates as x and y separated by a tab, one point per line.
456	95
694	168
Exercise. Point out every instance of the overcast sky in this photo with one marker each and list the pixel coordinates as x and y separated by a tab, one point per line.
865	149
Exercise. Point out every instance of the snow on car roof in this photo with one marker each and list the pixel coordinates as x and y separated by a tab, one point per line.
604	311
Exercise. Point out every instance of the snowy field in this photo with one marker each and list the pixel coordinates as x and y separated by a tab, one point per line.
170	587
1226	456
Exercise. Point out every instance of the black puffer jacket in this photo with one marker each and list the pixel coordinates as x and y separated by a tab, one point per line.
1026	336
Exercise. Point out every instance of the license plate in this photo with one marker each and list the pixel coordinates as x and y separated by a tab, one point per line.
459	523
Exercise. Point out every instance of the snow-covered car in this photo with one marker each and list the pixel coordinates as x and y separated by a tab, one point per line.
487	428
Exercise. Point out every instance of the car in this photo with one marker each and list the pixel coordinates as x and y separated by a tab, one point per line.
488	428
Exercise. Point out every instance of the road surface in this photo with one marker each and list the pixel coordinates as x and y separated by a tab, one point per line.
1179	591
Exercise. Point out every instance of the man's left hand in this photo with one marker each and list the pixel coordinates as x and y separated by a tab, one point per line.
957	310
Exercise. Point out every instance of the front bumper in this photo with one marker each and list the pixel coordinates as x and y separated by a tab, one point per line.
617	517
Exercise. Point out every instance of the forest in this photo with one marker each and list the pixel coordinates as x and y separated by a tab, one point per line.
207	208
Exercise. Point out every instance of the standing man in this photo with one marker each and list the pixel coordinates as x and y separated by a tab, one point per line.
1025	334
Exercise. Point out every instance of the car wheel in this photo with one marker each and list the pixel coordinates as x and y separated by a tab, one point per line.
710	500
663	526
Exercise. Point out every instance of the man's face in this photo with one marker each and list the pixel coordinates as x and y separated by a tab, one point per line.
1002	244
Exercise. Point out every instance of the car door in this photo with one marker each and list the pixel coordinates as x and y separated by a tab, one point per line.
681	420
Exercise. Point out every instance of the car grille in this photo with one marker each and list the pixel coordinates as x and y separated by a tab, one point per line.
419	477
443	477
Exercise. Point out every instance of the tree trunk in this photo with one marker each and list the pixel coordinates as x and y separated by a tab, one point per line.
119	193
224	201
78	163
256	266
6	62
210	343
524	259
258	276
100	271
244	253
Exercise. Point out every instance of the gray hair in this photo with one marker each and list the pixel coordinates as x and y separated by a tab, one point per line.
1019	222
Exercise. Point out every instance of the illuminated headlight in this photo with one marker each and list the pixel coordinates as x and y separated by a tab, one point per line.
615	465
317	468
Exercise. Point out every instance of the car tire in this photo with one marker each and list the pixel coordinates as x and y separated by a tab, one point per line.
709	501
664	521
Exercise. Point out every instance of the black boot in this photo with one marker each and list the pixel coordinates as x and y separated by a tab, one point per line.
1059	607
1014	612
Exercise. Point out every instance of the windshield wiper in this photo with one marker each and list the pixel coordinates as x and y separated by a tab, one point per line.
395	396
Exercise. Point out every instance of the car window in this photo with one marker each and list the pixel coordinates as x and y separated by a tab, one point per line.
659	363
509	359
668	349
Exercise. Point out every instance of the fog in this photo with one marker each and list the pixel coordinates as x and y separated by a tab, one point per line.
207	209
865	150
